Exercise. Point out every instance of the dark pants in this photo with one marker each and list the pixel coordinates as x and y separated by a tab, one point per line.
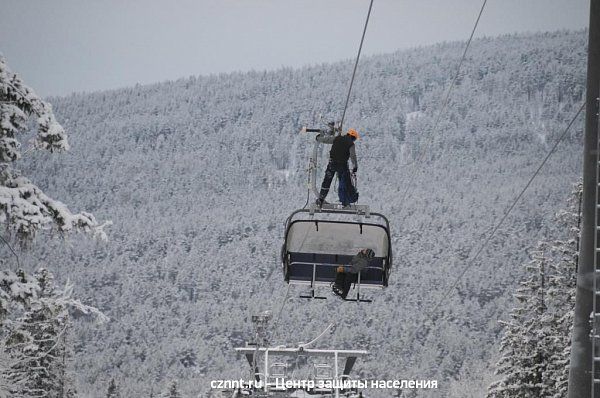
344	176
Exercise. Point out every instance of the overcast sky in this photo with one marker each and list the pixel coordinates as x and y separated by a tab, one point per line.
62	46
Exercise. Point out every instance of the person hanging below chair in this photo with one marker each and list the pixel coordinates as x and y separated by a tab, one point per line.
346	275
342	149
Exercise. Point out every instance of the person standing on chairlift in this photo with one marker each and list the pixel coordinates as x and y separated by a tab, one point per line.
342	149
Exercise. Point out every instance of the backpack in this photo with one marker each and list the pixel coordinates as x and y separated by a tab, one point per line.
346	190
351	192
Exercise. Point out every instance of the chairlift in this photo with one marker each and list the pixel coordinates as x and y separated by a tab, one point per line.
321	238
318	240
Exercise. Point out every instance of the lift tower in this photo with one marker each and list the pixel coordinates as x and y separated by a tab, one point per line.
584	373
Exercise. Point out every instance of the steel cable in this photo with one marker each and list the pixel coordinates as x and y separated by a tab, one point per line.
441	111
356	65
448	292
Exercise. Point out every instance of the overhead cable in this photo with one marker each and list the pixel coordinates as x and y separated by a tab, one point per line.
508	211
362	39
442	109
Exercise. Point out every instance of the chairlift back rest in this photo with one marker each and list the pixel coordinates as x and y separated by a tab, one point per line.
336	237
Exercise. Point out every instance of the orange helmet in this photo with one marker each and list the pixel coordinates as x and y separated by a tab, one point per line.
353	133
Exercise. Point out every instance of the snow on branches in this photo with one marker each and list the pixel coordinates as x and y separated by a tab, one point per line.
24	208
20	288
27	209
536	343
35	351
15	287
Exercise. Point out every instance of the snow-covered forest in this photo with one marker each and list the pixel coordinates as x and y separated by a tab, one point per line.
199	174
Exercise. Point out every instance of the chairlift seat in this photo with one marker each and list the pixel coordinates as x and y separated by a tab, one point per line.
301	268
317	243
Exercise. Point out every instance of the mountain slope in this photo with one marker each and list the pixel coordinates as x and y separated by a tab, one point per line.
199	174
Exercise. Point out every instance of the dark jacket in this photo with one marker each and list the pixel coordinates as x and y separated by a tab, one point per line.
360	261
342	148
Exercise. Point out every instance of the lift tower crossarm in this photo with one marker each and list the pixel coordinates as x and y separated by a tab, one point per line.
304	351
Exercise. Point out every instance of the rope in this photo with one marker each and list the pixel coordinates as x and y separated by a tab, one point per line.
307	198
304	345
280	311
308	188
444	104
356	65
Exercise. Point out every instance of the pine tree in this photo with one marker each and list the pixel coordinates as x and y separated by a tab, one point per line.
24	208
16	289
37	343
113	390
173	391
536	344
562	283
34	353
523	355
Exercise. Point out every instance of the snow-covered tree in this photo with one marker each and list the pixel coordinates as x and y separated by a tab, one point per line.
16	288
37	344
25	208
560	299
173	391
524	357
113	390
536	343
33	347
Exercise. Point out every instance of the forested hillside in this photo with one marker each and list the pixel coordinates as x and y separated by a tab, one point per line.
199	174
